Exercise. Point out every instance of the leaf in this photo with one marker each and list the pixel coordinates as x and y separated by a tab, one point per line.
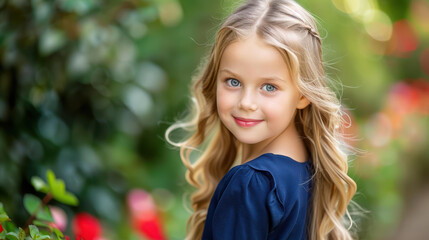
67	198
45	214
9	226
43	224
59	234
57	186
21	234
58	190
39	184
33	231
41	237
50	176
12	236
31	203
3	215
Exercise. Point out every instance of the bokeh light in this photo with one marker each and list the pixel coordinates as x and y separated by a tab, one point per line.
170	12
377	24
349	6
420	13
404	39
379	129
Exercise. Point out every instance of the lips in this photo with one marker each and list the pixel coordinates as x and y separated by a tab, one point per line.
247	122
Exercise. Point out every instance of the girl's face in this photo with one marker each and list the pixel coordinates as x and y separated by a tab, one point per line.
256	98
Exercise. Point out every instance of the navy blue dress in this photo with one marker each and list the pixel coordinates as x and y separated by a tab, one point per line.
265	198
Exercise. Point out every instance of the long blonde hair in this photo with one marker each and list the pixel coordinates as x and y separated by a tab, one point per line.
287	26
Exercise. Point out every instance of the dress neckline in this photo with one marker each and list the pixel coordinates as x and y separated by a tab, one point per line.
289	159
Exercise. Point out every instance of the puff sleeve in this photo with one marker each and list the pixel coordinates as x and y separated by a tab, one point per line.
244	208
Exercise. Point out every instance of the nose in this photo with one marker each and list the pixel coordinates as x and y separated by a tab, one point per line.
247	101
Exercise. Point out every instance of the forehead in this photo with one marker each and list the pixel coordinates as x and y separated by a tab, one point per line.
253	56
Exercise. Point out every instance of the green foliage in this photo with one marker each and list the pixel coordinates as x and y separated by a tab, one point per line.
40	214
3	215
19	235
32	205
83	86
36	235
58	190
39	184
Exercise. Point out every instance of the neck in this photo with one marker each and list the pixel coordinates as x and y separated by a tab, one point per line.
288	143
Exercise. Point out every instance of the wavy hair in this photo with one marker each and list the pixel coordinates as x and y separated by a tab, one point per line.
287	26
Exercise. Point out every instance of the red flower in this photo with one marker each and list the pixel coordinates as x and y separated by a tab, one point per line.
145	218
86	227
404	40
1	228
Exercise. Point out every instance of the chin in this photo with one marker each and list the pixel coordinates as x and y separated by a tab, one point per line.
247	139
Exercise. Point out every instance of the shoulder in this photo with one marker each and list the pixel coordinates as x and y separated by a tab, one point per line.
244	205
278	175
245	182
287	176
247	187
243	177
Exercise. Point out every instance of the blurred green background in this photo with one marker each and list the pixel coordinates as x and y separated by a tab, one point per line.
88	87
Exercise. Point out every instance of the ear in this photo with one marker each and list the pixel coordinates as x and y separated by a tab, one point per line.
303	102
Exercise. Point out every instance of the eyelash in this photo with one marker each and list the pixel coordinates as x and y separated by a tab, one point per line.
229	80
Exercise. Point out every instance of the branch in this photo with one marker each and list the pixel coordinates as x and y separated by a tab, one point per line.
30	220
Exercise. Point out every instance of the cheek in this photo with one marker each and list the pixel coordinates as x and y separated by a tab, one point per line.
280	109
223	101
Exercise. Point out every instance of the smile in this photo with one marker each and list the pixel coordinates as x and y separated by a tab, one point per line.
245	122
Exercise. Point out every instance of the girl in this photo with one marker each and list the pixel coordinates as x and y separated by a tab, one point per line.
262	103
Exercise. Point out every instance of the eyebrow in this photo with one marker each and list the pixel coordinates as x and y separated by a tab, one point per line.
264	78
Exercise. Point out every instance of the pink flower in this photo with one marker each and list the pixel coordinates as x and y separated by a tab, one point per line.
86	227
144	215
60	218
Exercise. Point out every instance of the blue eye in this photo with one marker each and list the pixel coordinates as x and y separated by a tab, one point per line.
233	82
269	88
